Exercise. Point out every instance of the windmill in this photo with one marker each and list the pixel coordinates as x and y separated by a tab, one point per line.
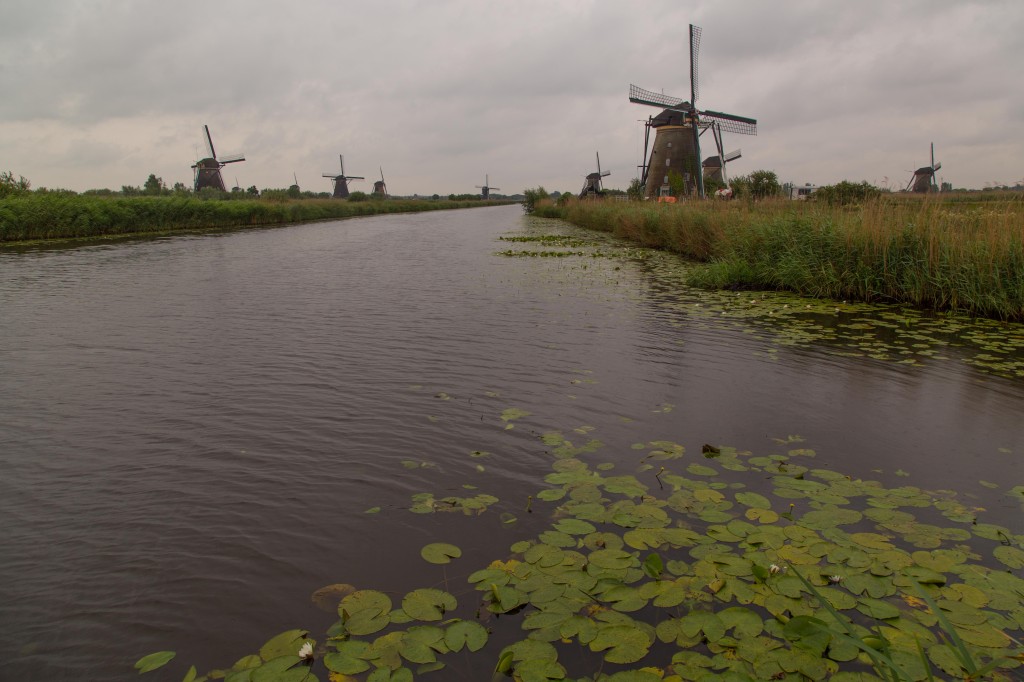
380	187
714	166
295	189
923	179
592	185
678	129
341	181
485	189
208	169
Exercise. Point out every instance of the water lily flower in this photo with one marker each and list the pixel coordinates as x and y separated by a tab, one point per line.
306	651
775	568
835	579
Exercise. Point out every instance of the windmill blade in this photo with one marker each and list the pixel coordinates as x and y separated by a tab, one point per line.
342	158
605	174
731	123
936	166
354	177
232	158
330	175
598	155
694	50
494	188
381	173
732	156
638	95
209	141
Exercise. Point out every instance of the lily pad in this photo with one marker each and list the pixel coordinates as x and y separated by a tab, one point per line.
440	552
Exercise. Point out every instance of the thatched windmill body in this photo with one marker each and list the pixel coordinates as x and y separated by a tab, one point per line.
678	129
923	180
592	185
207	171
485	189
380	188
341	181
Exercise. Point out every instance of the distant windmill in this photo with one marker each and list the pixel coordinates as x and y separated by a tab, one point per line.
295	188
678	129
714	166
208	169
341	181
923	180
380	187
485	189
592	185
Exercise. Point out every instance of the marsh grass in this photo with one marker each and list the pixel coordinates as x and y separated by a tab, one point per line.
953	253
49	216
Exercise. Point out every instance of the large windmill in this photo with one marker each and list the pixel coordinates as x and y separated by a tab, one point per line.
380	188
592	185
208	169
485	189
341	181
924	178
678	129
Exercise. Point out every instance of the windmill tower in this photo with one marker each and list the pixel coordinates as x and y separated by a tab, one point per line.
380	188
485	189
341	181
592	185
208	169
923	180
678	129
295	189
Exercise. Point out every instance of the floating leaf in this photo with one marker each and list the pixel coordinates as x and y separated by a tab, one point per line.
284	644
466	633
622	643
153	661
440	552
428	604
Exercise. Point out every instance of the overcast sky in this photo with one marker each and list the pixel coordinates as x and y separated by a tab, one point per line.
441	92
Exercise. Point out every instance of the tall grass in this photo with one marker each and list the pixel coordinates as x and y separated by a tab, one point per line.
52	216
936	253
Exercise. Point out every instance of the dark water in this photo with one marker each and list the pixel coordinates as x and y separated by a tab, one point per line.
191	428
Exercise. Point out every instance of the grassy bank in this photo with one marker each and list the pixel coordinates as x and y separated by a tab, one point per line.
51	216
936	253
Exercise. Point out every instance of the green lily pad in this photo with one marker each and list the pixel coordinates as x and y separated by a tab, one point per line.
465	633
621	643
440	552
428	604
153	661
285	644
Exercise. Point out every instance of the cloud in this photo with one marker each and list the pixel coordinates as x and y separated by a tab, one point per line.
440	93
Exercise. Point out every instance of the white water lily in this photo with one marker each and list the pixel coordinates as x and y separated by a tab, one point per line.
775	568
835	579
306	651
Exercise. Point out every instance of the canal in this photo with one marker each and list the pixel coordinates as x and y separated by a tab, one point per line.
199	431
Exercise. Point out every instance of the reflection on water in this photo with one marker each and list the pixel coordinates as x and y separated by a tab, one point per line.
193	427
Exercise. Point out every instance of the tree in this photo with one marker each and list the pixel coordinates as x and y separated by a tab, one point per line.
154	186
635	191
253	191
764	183
180	188
9	186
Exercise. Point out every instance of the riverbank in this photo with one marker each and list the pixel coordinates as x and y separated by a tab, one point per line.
35	217
935	253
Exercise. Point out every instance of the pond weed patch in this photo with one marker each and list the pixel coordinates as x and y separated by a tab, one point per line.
724	564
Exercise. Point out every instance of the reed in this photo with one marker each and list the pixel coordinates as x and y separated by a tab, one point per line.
31	216
963	253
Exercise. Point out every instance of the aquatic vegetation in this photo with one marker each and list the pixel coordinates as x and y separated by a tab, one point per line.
933	254
731	564
879	331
